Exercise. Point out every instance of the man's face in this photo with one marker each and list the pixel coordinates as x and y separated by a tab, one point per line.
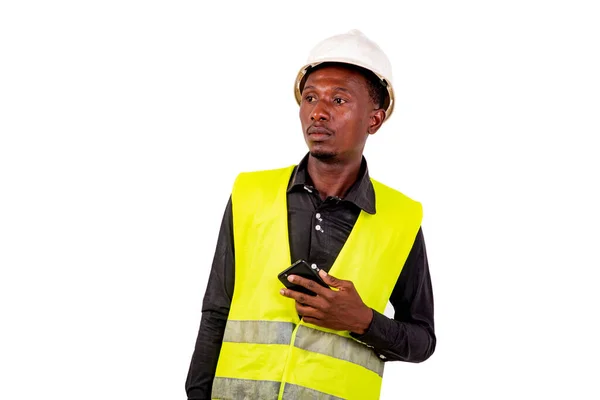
336	113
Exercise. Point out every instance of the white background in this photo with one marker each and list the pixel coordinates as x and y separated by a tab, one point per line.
124	123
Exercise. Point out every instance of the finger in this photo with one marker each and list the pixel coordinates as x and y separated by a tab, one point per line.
307	311
298	296
314	321
331	280
310	285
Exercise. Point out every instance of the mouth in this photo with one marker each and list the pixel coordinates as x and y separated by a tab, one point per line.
318	133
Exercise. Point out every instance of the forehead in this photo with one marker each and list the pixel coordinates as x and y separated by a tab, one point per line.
337	76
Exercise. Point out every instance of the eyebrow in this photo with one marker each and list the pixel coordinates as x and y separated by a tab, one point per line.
341	89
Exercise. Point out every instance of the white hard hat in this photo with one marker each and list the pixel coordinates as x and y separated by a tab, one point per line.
351	48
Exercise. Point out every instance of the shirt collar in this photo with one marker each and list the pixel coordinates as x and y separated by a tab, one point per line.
361	193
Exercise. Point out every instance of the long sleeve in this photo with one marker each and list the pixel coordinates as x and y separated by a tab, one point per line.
215	309
410	336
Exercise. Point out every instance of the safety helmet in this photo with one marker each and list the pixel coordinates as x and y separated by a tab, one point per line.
351	48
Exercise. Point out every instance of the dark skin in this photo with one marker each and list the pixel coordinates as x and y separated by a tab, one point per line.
341	309
337	116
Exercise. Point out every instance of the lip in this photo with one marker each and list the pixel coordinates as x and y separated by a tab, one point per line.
318	137
319	131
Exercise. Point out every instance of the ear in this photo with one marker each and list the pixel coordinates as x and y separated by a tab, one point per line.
376	120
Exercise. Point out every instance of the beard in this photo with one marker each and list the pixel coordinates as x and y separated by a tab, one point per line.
323	155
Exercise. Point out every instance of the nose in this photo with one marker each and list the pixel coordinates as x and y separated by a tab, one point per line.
319	113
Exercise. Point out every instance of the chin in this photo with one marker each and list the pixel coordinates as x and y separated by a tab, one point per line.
323	155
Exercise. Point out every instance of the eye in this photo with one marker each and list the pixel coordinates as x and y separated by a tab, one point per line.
309	98
339	100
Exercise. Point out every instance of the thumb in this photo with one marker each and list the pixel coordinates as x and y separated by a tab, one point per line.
330	279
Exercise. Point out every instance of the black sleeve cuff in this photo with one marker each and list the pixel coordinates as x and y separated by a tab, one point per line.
374	336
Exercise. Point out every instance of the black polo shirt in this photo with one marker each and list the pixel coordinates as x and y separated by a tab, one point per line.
317	231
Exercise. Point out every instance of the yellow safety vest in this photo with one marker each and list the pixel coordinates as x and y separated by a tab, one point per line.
268	352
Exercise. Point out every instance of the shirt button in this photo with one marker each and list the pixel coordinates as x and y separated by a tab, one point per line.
313	266
382	356
318	215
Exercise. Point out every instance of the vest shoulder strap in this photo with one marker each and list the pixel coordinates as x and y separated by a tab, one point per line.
392	201
259	186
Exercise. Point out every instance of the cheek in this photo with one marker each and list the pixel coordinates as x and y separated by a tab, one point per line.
302	113
356	130
348	121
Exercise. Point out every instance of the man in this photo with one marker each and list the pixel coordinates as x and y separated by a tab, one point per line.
258	340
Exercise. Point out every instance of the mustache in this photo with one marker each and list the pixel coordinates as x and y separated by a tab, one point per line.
318	128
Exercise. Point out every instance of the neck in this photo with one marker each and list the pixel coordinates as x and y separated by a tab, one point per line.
333	179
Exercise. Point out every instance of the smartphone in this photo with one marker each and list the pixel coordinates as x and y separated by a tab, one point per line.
303	269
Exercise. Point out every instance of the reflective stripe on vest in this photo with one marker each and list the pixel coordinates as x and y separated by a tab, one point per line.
329	344
262	332
235	389
338	346
295	392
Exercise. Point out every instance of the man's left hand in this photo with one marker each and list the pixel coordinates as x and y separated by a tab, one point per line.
340	309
